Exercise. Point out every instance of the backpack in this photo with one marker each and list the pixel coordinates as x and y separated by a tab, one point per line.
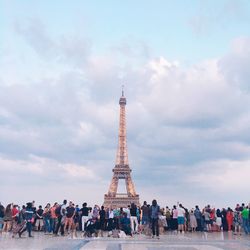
58	210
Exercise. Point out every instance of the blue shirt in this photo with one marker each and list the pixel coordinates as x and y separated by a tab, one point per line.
28	214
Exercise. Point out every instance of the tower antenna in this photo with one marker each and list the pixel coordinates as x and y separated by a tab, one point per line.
122	90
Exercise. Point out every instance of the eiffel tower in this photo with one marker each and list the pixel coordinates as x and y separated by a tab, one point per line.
121	169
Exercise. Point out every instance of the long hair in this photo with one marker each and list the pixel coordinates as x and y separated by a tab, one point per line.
8	208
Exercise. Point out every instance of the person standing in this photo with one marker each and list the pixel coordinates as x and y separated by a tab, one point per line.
229	218
29	212
193	221
1	217
70	212
110	219
22	213
198	216
85	215
138	214
248	217
145	214
245	219
28	215
168	218
76	220
106	218
237	222
218	219
174	222
15	216
102	215
224	219
53	217
207	218
47	217
39	219
133	218
60	212
181	218
154	217
212	218
7	218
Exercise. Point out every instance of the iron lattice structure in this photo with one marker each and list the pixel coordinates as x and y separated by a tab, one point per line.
121	170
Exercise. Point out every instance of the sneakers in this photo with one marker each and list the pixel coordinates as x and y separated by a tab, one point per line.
157	237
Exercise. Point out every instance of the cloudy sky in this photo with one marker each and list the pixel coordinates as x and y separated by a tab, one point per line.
185	67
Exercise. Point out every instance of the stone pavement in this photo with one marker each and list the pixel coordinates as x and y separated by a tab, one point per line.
169	241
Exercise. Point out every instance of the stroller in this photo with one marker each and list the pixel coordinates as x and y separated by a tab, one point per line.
18	228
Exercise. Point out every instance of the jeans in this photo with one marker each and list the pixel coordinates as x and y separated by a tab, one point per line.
133	219
144	220
245	225
155	227
110	224
199	228
1	223
84	220
59	225
52	224
47	225
29	227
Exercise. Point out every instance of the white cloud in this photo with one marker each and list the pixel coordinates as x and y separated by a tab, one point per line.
70	49
38	166
14	167
235	65
44	180
223	176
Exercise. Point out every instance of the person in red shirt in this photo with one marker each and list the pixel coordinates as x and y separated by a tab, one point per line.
229	218
53	216
15	214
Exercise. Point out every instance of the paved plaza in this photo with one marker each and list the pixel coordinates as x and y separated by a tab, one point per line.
187	241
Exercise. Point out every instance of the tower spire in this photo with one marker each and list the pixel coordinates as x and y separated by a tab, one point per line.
122	90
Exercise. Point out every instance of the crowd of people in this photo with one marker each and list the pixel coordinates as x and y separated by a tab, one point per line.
149	219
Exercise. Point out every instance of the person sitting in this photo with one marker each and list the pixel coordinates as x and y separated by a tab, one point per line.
89	228
92	227
125	224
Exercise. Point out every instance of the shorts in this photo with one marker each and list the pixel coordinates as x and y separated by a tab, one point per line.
181	220
218	221
68	221
39	222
